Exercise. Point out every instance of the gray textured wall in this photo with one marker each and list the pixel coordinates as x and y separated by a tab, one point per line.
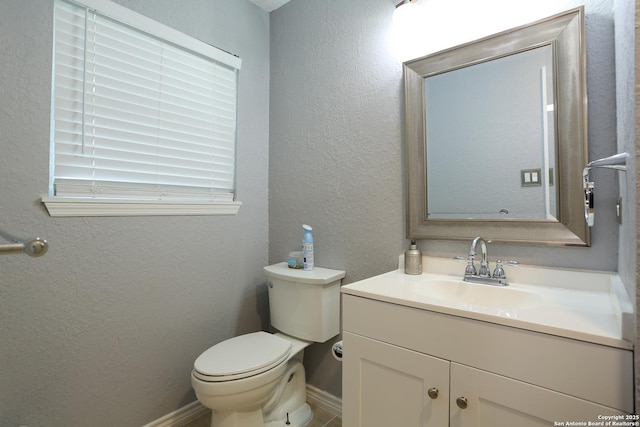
627	55
103	330
336	155
335	144
625	107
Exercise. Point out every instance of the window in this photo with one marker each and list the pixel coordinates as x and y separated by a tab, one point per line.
143	117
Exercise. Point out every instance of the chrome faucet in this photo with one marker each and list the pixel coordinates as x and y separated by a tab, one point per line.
483	275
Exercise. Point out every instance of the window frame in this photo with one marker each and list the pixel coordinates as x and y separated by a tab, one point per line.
89	206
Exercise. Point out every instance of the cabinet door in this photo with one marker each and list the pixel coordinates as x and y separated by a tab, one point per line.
493	400
385	385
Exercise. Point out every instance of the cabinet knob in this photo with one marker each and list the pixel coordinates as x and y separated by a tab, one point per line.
433	393
461	402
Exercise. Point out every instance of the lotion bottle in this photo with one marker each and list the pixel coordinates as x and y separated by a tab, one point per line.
413	259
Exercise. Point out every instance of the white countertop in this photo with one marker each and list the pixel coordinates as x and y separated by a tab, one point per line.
577	304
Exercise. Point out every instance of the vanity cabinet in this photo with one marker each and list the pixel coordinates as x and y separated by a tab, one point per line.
386	385
410	367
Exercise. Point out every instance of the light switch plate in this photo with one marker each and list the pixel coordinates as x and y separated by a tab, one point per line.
531	177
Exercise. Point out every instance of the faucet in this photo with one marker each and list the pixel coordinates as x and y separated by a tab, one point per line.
483	275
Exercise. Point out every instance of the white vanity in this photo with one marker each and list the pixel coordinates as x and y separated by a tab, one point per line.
431	350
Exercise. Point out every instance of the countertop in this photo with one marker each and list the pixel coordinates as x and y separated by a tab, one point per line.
578	304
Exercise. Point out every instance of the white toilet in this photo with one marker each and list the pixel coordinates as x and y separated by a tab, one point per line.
257	379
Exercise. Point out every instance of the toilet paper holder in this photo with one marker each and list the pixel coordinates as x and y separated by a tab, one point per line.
337	351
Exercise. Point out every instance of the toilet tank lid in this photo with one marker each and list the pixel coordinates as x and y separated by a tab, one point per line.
317	276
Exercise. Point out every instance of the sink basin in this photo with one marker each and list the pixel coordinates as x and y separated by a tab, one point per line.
472	294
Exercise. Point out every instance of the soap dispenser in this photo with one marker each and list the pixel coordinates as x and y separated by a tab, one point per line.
413	259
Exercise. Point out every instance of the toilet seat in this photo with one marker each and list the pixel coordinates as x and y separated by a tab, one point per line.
241	357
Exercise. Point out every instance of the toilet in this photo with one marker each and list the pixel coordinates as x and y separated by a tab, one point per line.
257	379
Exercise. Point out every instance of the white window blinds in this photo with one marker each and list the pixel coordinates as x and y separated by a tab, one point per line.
140	111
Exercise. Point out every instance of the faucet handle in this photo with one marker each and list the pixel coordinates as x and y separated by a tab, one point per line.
470	270
498	272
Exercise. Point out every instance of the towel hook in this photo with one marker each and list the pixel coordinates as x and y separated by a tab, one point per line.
616	162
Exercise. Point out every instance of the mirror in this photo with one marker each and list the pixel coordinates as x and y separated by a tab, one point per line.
496	137
479	114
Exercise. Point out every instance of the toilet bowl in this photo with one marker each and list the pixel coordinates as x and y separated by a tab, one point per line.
257	379
244	379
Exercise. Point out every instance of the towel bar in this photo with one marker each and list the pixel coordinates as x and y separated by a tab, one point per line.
35	247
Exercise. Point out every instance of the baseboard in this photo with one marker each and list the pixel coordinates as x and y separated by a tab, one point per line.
182	416
324	400
195	410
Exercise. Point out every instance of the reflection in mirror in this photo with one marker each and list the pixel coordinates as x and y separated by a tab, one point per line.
496	137
475	118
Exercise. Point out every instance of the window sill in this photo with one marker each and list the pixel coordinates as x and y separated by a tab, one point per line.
66	207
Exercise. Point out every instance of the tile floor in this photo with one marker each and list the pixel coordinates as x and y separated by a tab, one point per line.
321	418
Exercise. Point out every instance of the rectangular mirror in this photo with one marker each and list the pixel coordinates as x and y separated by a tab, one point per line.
496	137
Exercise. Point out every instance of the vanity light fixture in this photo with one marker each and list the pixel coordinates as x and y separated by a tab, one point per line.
409	29
617	162
404	15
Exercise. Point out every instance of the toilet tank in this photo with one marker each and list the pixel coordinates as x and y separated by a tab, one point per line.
305	304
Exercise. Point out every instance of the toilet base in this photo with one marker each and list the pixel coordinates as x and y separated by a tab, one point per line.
298	418
237	419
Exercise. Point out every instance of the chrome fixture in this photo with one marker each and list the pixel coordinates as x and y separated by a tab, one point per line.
33	247
483	275
616	162
484	264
